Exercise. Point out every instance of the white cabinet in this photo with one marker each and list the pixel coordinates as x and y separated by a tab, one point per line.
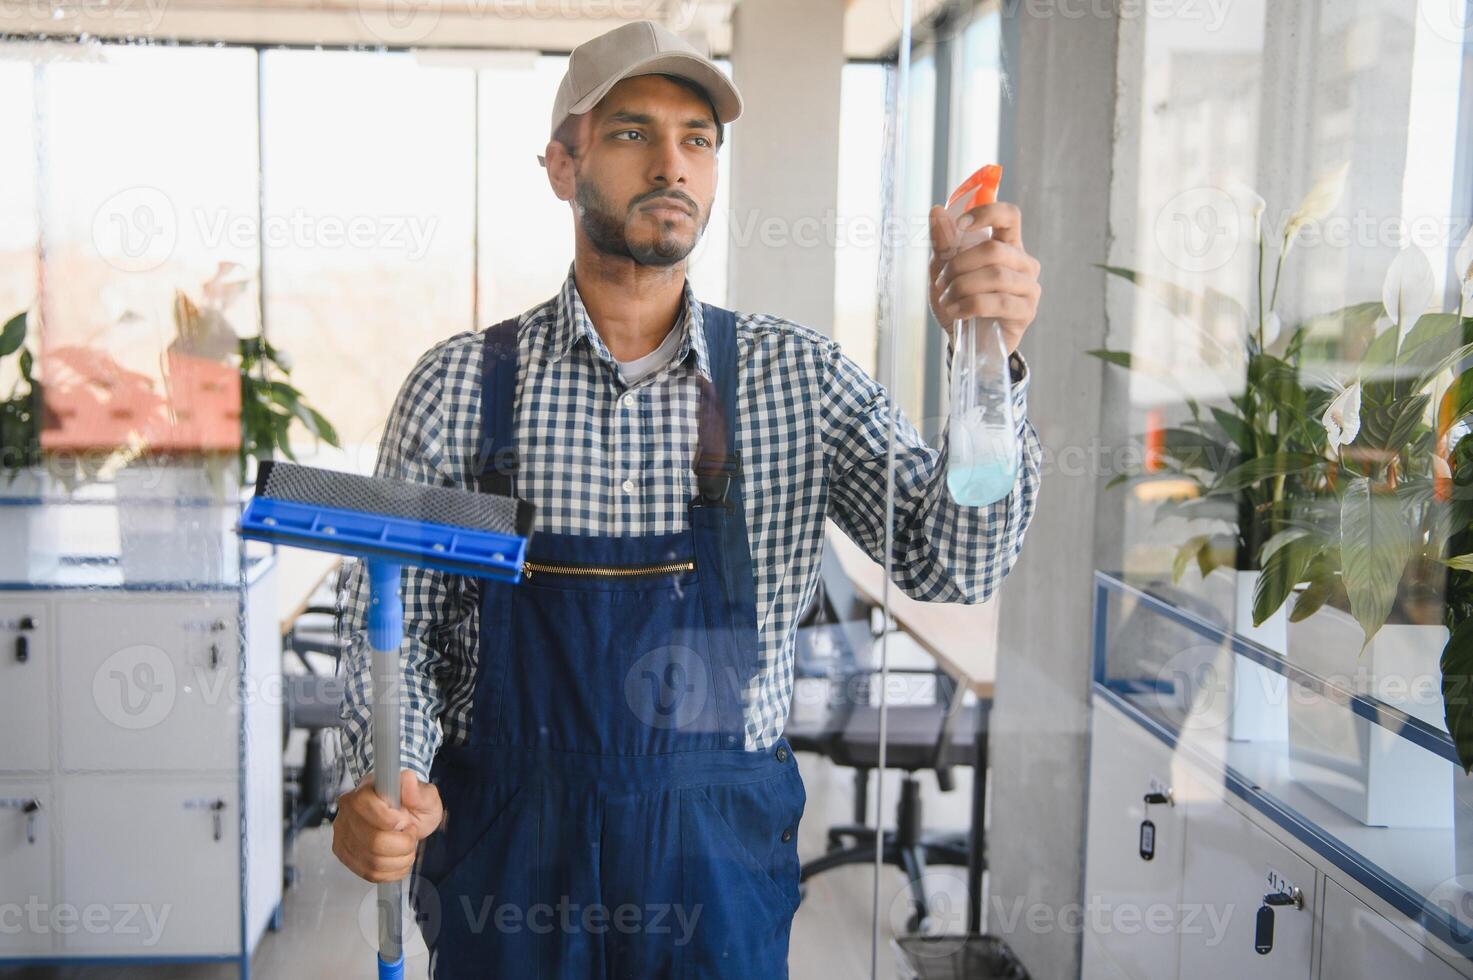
157	861
147	723
143	677
1360	944
27	897
1232	867
1218	862
1135	851
25	684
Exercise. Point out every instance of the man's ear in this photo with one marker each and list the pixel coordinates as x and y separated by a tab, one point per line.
560	170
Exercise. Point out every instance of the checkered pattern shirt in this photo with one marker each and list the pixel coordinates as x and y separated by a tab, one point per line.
602	458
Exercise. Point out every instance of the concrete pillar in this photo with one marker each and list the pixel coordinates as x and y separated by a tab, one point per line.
1057	148
787	58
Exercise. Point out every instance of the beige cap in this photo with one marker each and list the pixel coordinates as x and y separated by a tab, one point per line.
641	47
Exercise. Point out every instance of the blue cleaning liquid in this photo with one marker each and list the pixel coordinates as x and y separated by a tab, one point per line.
982	483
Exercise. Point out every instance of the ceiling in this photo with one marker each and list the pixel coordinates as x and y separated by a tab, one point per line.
870	30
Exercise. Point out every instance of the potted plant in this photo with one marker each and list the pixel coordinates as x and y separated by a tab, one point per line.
229	401
1243	464
23	482
1367	567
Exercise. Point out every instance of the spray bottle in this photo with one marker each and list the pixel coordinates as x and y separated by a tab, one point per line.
984	454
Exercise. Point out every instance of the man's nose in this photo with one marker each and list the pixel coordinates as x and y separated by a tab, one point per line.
667	163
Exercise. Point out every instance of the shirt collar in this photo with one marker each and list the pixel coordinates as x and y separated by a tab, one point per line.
572	323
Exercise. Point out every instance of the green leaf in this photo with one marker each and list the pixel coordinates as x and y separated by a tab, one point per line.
1375	545
1196	450
1237	430
1309	602
324	428
1286	536
1281	571
13	335
1457	690
1431	338
1119	358
1188	552
1221	551
1255	471
1463	563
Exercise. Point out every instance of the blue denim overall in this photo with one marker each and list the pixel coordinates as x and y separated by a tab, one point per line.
605	818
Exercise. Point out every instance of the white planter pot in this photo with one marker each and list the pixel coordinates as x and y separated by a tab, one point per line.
27	547
174	521
1260	696
1364	769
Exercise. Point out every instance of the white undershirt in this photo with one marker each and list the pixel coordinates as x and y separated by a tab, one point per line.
640	368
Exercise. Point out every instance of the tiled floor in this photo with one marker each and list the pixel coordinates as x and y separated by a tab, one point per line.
328	922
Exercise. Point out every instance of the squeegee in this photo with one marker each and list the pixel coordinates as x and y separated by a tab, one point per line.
389	524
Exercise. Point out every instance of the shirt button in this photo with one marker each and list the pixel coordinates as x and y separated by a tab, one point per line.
787	834
782	753
628	400
628	486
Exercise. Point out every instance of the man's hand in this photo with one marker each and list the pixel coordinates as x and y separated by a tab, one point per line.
377	842
995	279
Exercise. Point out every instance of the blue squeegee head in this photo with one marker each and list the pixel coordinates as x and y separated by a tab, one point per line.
444	528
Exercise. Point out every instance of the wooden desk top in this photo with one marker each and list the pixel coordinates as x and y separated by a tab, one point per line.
962	637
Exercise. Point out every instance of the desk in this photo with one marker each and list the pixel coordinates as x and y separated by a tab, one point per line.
963	639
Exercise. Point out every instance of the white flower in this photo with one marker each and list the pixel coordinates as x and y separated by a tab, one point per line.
1273	325
1250	199
1408	287
1342	419
1463	261
1318	203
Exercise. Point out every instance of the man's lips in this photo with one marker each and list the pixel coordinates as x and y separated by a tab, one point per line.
667	204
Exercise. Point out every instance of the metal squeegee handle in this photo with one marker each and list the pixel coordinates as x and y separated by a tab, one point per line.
385	633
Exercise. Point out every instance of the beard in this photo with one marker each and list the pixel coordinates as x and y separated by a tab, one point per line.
609	231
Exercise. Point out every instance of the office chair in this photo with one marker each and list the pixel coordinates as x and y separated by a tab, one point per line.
934	736
312	693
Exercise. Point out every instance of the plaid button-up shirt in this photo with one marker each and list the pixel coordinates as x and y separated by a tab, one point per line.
602	458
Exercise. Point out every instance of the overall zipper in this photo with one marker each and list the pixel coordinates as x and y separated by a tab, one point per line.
606	571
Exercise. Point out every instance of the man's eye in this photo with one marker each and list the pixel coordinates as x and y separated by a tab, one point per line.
704	140
626	132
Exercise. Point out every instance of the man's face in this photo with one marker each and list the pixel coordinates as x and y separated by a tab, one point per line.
645	177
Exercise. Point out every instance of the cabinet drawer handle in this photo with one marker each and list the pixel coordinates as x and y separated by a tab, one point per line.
29	808
23	642
1263	931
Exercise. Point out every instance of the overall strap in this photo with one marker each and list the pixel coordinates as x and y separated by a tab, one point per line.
496	463
717	459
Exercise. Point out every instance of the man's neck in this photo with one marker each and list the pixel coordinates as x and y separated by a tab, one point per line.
633	307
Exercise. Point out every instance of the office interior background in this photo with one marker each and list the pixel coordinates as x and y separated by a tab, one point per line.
1215	721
